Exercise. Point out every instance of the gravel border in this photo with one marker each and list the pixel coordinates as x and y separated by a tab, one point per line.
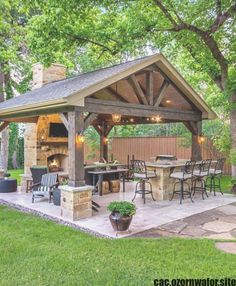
51	218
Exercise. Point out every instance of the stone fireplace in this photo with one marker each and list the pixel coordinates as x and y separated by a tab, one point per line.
40	147
57	163
51	151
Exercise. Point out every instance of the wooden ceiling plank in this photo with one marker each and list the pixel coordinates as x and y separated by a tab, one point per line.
116	94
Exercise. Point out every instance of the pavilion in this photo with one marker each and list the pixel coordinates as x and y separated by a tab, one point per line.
142	91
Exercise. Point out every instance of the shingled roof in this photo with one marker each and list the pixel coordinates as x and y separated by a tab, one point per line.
64	88
66	92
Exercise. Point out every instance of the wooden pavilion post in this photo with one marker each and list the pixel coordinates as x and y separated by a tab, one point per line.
76	148
103	143
103	130
195	127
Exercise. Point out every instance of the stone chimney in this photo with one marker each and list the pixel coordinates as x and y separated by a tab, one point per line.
41	76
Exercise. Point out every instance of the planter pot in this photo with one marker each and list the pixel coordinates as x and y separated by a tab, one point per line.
120	223
57	197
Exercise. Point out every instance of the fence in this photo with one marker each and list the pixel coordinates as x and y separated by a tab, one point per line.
146	147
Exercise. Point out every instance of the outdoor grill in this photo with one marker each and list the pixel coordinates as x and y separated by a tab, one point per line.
166	158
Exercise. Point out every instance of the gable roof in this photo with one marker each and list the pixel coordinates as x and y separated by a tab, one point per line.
72	91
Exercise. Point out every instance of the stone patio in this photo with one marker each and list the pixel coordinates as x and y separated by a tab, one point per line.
217	223
214	217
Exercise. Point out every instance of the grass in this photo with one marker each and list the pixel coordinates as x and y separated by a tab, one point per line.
39	252
226	184
16	174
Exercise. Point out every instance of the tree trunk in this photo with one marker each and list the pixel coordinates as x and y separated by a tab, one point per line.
4	149
233	130
4	82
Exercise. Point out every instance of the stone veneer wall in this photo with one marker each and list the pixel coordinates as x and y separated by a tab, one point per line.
30	146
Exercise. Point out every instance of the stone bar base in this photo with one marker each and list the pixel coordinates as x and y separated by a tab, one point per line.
76	202
163	185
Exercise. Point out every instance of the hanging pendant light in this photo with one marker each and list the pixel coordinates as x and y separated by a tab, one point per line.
116	117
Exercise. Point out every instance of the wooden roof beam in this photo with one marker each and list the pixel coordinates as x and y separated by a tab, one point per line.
137	89
161	93
176	87
149	87
64	119
89	119
139	110
3	125
23	119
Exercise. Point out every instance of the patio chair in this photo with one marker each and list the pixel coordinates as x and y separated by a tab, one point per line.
37	173
213	181
140	172
183	176
200	173
45	188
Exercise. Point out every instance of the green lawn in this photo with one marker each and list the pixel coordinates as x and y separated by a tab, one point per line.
39	252
226	184
16	174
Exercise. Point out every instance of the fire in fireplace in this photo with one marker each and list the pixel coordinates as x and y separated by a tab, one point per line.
57	163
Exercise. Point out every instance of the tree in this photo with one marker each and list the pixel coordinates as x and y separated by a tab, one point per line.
14	64
198	36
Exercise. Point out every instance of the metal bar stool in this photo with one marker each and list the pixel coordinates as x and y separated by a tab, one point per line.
140	172
201	172
213	181
183	176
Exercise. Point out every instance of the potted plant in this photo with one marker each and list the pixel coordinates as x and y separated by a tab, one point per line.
121	214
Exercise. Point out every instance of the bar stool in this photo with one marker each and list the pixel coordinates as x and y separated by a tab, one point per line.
201	172
182	177
140	172
215	176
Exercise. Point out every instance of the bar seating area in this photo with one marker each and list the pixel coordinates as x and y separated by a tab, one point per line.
198	177
142	175
187	178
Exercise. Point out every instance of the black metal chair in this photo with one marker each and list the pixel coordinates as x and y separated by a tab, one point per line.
45	188
183	177
200	173
213	181
140	172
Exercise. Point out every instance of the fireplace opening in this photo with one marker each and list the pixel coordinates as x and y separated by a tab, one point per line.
58	163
